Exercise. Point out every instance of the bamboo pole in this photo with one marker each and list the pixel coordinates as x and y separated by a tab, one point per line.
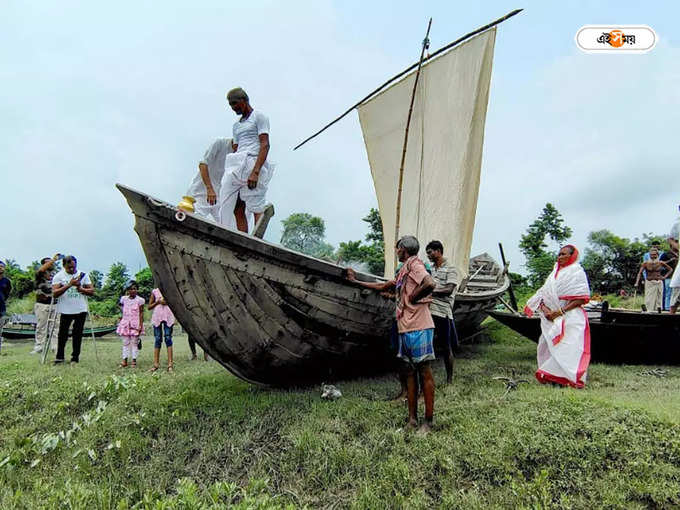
440	50
426	45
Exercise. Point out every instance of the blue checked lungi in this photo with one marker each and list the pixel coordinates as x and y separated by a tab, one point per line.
416	346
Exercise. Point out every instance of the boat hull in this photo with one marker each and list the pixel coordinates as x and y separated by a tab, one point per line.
268	314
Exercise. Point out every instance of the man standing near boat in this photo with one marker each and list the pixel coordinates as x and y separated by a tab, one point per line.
446	279
247	171
652	270
43	300
70	289
413	286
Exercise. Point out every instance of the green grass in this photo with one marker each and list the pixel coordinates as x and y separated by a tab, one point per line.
95	436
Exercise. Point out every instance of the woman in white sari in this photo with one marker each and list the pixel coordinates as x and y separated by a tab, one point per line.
564	347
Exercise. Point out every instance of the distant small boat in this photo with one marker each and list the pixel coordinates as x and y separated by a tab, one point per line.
617	336
22	327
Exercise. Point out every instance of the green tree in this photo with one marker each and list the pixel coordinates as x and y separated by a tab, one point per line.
540	261
612	262
371	254
145	285
306	233
97	279
114	285
23	282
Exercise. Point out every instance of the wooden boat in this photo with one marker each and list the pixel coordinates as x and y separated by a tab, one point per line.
274	316
277	317
22	327
617	336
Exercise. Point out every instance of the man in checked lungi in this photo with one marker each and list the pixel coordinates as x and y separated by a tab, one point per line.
412	286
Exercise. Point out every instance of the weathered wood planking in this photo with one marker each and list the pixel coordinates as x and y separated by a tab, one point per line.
270	315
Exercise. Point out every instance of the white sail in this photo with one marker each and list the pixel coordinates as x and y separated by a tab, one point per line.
444	151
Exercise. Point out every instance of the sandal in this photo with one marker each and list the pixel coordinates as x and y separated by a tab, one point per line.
154	368
123	364
170	369
134	363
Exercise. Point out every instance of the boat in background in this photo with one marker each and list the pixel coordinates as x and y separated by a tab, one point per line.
617	336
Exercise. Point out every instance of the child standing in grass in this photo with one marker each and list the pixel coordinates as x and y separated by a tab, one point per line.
131	324
162	319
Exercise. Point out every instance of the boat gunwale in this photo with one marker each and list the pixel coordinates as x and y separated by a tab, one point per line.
166	215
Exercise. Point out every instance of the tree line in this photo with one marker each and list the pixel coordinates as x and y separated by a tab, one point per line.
108	287
610	261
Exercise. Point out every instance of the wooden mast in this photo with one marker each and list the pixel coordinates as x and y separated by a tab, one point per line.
426	45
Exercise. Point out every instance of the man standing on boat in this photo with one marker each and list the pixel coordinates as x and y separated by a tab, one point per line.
247	171
446	278
71	288
413	285
43	300
206	184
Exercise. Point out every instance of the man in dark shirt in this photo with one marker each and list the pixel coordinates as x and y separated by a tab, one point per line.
43	300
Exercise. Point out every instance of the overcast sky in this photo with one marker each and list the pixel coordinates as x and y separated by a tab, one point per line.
133	92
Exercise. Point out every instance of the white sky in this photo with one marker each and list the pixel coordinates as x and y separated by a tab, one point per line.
133	92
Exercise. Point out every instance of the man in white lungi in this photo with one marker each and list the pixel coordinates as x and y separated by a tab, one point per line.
206	184
247	171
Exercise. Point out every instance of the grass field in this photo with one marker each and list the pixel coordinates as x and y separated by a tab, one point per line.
96	436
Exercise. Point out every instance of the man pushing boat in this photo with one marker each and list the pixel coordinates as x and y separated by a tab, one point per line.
247	171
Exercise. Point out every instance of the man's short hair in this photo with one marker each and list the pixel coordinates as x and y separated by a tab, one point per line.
410	244
237	94
435	245
45	259
2	264
69	258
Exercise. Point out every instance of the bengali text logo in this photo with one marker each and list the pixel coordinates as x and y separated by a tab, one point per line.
616	38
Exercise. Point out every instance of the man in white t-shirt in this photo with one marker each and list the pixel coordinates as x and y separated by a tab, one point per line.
247	171
206	184
70	288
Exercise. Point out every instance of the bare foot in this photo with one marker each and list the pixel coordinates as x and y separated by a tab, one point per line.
411	425
425	429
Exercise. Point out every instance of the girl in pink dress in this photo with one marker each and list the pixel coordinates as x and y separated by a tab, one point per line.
131	324
162	320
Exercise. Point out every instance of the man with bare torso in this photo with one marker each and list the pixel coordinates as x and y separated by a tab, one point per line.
654	269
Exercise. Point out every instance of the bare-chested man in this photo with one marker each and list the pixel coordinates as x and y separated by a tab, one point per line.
654	280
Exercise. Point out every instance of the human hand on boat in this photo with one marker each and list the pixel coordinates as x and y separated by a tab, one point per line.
252	179
212	196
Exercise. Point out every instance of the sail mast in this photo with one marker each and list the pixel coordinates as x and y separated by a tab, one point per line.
426	45
405	71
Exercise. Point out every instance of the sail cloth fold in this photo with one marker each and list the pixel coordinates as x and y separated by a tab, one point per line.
444	149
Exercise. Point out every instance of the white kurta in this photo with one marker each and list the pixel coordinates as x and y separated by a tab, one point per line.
214	158
563	352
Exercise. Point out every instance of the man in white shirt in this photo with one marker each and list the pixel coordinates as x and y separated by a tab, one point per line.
206	184
247	171
71	288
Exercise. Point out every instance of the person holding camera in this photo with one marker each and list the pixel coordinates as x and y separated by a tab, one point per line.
43	300
71	288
